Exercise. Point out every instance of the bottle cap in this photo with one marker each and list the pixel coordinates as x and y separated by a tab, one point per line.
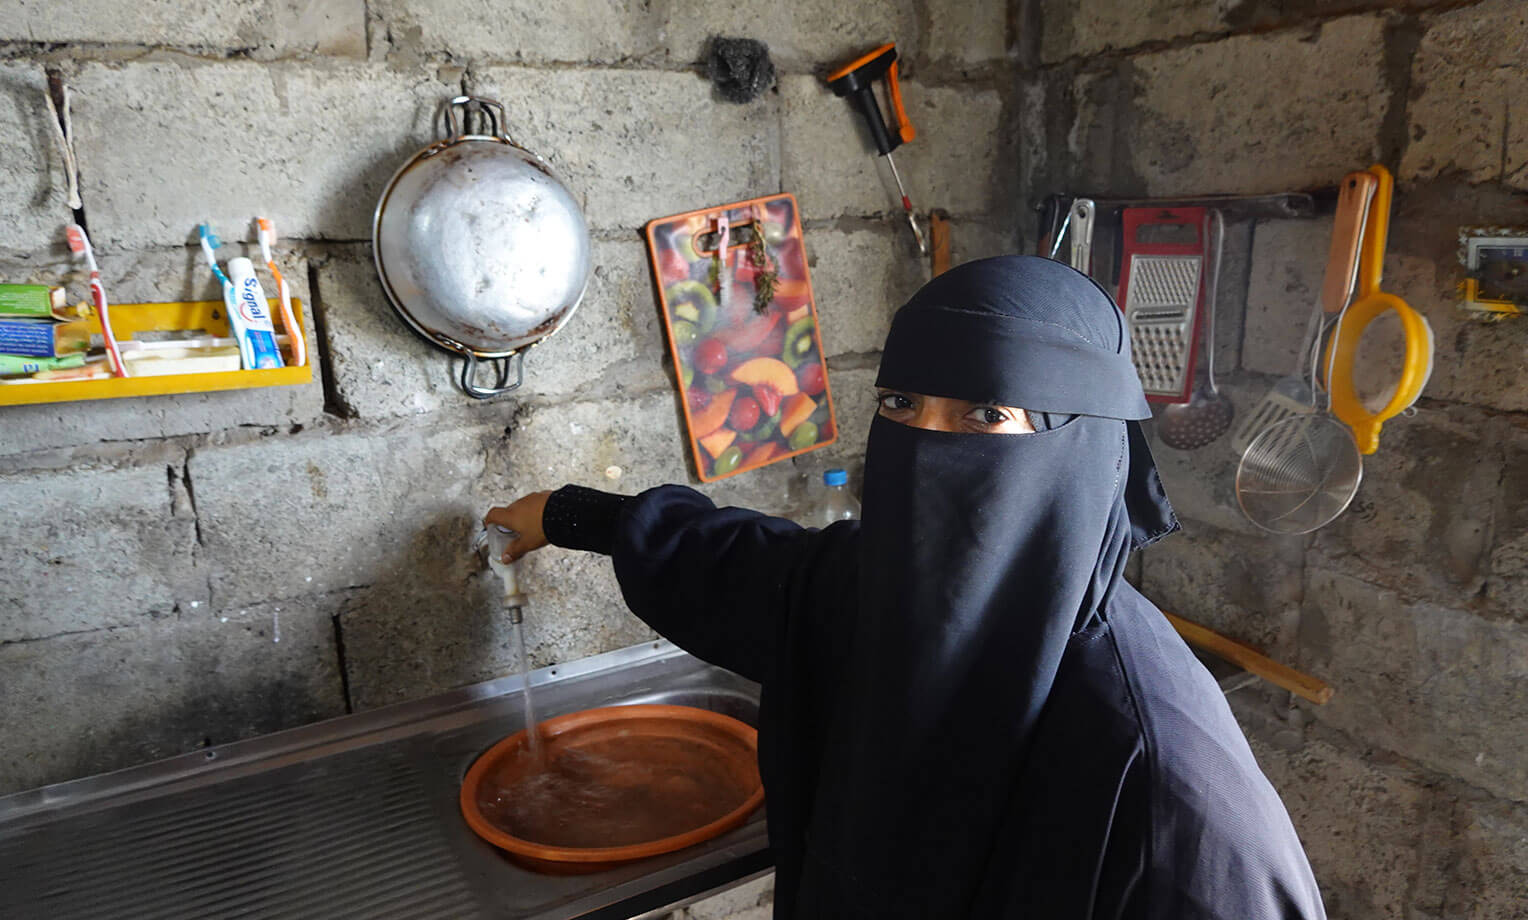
835	478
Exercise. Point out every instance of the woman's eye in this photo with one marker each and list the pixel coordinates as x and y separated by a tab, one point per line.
895	402
989	415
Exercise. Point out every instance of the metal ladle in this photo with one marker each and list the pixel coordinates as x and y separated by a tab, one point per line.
1208	414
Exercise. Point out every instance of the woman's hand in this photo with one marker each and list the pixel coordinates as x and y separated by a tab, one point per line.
523	516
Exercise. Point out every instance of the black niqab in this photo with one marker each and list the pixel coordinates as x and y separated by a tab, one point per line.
966	711
981	555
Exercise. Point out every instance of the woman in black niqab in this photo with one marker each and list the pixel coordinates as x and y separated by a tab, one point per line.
966	710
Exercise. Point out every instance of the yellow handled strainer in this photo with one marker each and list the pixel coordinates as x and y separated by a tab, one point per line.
1366	417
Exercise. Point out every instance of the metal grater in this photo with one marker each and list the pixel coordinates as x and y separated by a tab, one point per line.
1160	291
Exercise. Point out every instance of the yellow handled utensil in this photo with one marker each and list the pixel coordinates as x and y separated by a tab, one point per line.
1370	304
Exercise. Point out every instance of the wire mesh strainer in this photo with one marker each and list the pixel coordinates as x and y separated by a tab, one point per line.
1299	474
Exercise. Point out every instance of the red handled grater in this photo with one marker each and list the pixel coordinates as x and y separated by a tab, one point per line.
1160	289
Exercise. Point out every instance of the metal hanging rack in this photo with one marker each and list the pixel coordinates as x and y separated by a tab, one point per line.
1271	204
1054	212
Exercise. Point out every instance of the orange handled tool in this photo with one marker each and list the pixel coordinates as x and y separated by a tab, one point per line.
855	81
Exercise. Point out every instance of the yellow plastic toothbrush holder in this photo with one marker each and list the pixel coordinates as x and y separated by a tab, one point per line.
1372	303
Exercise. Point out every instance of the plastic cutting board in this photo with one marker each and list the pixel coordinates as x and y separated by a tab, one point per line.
751	376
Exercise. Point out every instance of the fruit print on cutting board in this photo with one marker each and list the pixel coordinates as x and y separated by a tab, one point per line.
749	358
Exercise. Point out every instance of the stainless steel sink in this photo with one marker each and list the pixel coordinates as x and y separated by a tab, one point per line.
355	817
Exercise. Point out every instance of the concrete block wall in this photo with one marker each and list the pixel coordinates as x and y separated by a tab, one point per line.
159	548
1409	788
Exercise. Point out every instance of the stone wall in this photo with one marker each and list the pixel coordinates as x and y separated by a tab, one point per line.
1410	789
158	548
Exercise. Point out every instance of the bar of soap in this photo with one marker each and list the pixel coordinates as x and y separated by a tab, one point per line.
162	361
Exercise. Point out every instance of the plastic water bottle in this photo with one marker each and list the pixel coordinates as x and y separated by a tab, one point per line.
838	504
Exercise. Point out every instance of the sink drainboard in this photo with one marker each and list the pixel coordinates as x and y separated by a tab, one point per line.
348	837
355	817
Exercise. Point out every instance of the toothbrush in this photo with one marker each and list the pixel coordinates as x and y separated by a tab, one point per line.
267	237
210	244
203	341
79	244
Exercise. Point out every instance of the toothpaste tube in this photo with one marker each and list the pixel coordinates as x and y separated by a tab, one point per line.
32	301
12	365
250	317
42	339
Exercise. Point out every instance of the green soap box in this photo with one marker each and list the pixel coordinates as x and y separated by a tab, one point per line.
31	301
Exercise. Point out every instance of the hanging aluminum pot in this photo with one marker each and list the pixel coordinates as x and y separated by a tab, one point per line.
479	246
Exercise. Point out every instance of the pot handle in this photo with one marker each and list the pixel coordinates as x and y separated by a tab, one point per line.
501	372
487	109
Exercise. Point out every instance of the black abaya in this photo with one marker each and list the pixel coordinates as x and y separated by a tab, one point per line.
967	712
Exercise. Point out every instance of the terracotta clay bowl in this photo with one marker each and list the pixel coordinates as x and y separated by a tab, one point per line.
614	785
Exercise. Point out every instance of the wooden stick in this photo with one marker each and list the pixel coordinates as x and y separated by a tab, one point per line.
1242	655
939	232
